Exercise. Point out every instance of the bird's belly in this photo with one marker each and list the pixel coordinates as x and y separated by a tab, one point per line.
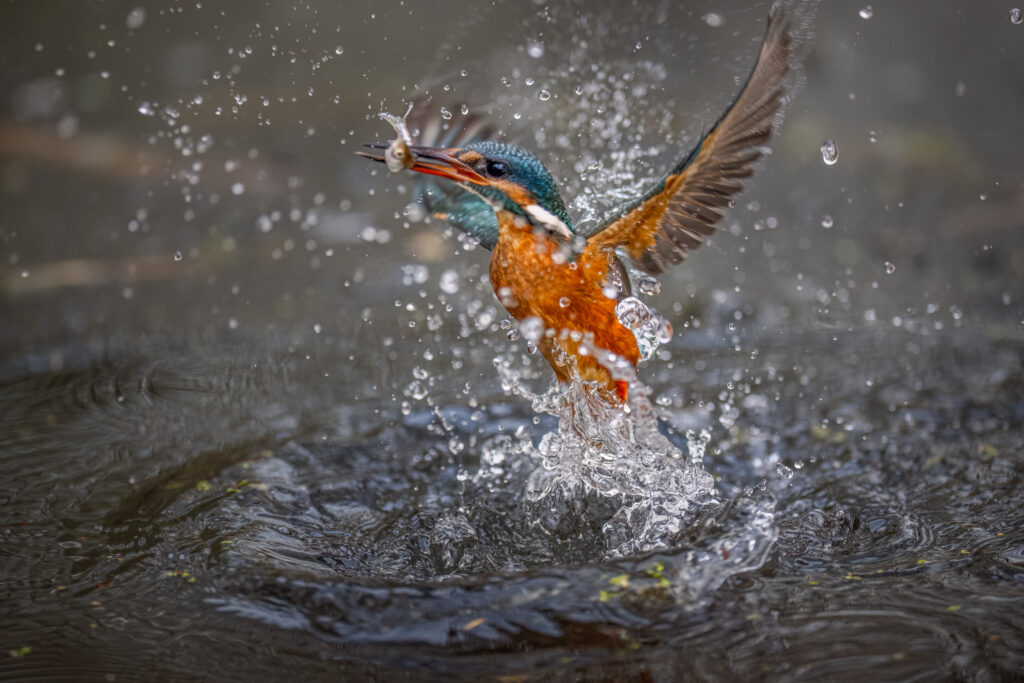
568	298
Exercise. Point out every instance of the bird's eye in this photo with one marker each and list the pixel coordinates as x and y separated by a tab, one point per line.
496	169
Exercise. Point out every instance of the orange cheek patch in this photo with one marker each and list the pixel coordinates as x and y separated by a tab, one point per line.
516	193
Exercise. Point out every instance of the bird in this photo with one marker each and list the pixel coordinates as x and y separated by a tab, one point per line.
543	269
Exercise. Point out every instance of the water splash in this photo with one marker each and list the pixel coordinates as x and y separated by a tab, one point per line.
608	463
650	327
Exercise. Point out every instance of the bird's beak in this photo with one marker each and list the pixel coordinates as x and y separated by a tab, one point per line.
434	161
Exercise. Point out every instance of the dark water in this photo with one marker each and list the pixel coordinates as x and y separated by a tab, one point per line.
288	452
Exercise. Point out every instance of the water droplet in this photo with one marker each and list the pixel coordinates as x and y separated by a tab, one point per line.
960	89
415	212
663	332
544	95
238	188
866	12
890	267
648	285
532	328
339	50
713	19
784	471
232	323
506	82
535	49
872	136
445	114
829	152
416	390
696	445
826	221
317	328
146	109
632	313
1016	16
136	18
464	109
564	302
449	282
178	256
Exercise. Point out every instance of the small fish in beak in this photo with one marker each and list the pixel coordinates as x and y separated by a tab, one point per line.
398	156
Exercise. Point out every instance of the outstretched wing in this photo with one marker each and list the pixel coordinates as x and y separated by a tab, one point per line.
672	218
447	201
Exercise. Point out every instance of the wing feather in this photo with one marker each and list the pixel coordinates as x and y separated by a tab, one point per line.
674	217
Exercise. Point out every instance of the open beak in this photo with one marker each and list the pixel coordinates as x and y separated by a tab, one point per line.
433	161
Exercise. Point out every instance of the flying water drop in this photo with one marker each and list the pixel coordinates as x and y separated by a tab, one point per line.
866	12
696	445
532	329
648	285
713	19
648	326
829	152
136	18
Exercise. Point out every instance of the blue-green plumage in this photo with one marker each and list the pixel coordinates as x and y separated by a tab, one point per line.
465	210
521	169
462	210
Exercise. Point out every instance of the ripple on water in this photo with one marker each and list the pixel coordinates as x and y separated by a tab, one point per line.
356	524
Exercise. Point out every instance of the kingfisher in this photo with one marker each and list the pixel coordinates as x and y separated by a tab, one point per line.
543	269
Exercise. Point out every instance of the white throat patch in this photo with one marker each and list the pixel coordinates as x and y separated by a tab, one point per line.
548	220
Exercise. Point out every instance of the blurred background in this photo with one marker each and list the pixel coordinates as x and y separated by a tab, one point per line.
202	287
178	173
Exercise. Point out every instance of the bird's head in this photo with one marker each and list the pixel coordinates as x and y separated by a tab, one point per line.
507	176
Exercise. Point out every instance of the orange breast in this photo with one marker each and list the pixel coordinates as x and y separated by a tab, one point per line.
568	296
